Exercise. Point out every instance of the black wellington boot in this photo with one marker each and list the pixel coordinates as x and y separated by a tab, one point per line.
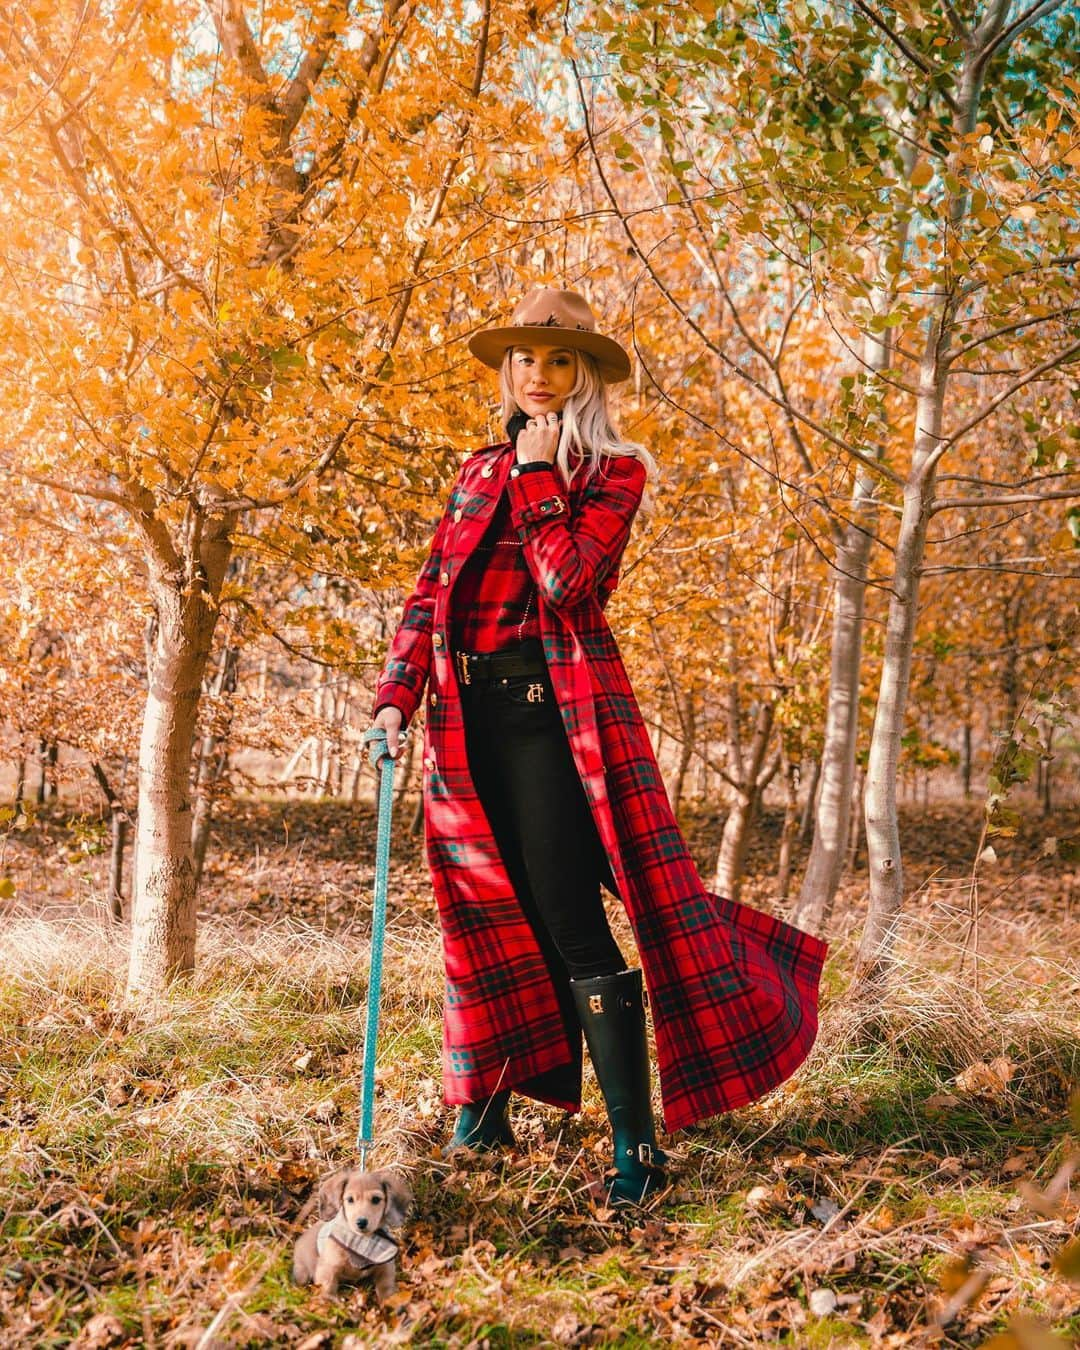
483	1125
612	1014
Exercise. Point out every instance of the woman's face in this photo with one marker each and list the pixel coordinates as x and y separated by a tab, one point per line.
542	378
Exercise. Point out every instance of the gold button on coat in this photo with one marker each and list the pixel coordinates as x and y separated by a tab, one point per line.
487	471
429	762
458	514
437	640
444	577
434	699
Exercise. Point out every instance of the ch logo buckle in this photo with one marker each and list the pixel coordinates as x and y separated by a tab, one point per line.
535	693
463	666
596	1003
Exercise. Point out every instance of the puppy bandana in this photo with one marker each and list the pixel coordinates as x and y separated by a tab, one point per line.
366	1249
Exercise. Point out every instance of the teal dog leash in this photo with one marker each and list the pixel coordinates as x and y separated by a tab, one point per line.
383	762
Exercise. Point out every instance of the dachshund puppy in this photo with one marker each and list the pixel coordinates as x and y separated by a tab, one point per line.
357	1209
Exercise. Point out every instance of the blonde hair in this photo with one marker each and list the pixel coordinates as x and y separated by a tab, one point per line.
588	430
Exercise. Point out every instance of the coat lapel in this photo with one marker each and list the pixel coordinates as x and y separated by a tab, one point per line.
475	499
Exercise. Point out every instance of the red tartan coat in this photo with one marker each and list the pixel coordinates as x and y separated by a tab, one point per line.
733	992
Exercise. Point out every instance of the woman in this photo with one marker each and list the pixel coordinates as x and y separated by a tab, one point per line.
540	785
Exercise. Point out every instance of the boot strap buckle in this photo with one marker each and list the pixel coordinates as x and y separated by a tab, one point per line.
596	1003
644	1152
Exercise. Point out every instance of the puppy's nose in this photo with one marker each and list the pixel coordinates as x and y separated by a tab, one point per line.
361	1224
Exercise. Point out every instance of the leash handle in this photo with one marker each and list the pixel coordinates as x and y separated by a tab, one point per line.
383	762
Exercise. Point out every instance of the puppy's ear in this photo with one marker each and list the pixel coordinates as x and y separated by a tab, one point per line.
398	1195
331	1192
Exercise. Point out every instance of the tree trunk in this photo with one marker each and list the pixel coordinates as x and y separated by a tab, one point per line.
185	597
733	844
406	768
703	758
686	751
1047	765
807	822
1010	674
118	821
788	833
211	772
825	865
213	762
20	781
882	824
748	777
359	756
46	758
965	756
855	826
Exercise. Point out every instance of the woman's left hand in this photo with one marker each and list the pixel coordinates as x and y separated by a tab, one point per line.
539	440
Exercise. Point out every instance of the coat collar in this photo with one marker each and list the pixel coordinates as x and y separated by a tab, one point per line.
365	1249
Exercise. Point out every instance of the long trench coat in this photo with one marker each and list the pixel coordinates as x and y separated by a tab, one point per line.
733	992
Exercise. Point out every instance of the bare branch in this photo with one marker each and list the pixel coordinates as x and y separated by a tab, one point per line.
1066	260
873	466
955	22
318	468
1019	484
912	55
52	80
1010	499
1034	12
137	502
93	491
1051	363
405	299
946	568
263	626
1011	328
235	37
380	36
298	94
118	45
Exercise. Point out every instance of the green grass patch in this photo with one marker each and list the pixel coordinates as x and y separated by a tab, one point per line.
155	1166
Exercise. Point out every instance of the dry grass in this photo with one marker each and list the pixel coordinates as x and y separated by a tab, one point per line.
154	1168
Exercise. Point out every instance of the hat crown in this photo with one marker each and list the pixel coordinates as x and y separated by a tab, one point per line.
545	307
549	316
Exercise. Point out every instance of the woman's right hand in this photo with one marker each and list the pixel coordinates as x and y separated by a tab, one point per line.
389	718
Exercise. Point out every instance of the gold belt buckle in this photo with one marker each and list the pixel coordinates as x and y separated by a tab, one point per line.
535	693
463	666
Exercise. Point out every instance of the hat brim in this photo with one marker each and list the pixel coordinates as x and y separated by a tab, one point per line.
491	344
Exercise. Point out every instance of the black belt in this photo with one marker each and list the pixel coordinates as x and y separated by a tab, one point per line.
483	667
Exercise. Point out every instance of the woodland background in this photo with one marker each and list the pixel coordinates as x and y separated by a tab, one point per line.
243	247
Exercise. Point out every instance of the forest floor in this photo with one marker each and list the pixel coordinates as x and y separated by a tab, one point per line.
909	1187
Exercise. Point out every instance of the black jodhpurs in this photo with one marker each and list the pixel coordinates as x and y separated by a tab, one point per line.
528	785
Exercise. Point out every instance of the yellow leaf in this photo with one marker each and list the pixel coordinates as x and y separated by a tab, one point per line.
921	174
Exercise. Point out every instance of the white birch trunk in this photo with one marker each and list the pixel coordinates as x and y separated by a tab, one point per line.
825	865
882	823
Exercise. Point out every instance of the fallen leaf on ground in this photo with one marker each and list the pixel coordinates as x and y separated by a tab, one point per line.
102	1330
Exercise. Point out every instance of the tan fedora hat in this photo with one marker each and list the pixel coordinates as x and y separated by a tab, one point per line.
552	318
